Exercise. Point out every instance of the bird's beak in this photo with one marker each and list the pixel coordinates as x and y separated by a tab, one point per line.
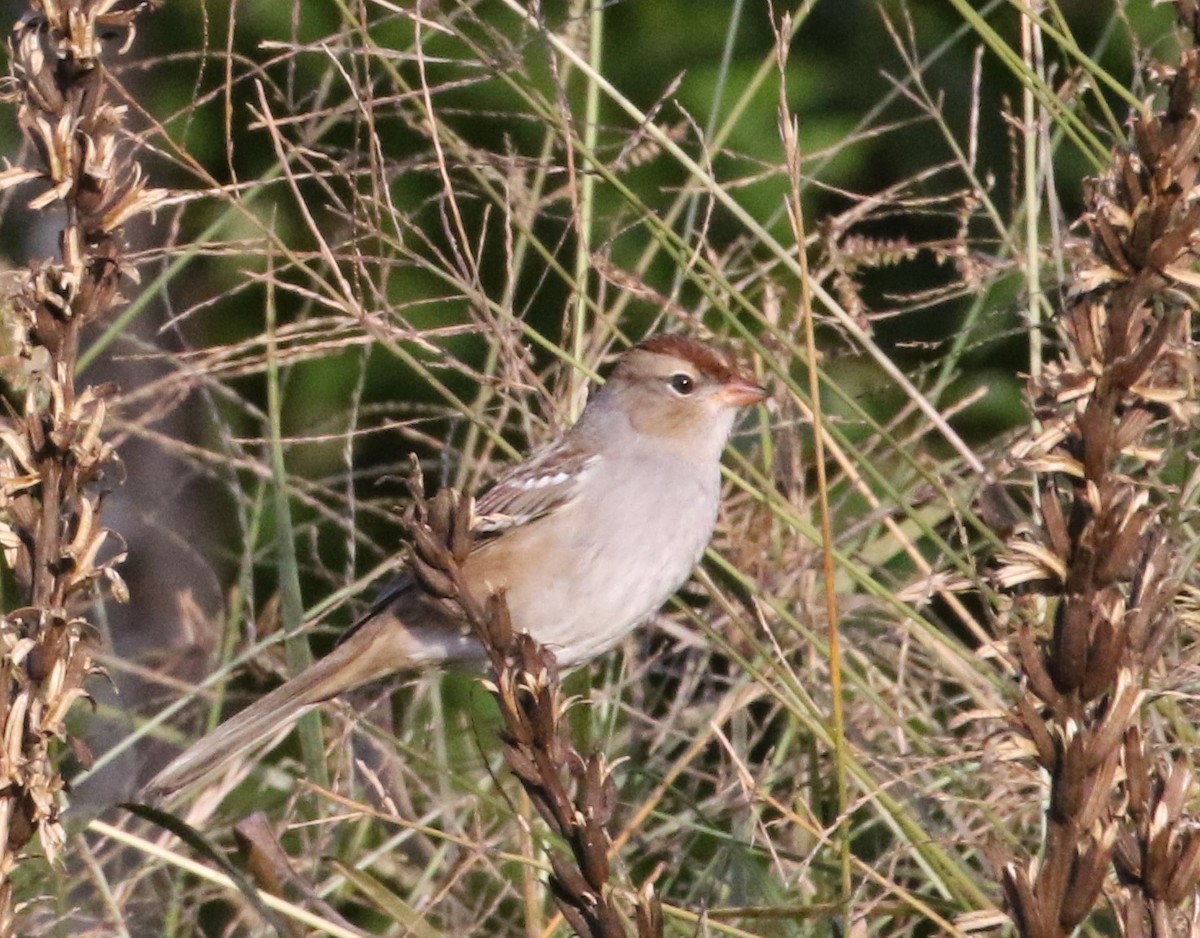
741	392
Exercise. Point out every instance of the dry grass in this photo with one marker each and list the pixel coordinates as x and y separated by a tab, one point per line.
389	234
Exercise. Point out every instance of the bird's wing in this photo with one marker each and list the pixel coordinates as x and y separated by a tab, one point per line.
528	491
533	489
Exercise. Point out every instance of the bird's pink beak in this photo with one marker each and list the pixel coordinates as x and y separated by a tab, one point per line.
741	392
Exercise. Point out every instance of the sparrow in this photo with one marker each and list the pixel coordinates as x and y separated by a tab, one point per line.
585	539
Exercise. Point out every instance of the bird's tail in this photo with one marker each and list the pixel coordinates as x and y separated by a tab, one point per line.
380	646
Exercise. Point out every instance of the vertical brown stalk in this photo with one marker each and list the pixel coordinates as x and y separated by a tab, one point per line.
1098	571
55	466
573	793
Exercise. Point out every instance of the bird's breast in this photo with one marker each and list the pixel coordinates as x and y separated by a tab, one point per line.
580	579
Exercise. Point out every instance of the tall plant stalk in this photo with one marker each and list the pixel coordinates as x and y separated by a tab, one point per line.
55	466
1098	572
575	794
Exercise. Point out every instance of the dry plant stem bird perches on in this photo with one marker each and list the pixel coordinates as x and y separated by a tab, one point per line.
585	539
574	794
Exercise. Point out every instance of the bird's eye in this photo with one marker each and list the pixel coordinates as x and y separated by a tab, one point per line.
683	384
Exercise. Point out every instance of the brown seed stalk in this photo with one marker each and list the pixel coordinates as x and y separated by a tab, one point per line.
573	793
55	465
1098	570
